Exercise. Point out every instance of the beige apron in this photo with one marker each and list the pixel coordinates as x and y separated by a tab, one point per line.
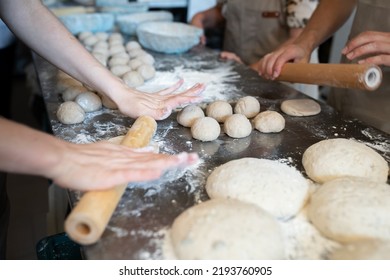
373	108
257	27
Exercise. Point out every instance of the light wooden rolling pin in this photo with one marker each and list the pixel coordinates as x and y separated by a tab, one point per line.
359	76
88	220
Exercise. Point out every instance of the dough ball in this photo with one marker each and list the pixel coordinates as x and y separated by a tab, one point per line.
363	250
102	58
101	45
146	58
120	70
108	102
121	55
132	45
277	188
205	129
351	208
61	75
90	41
219	110
115	49
133	79
247	106
137	53
237	126
72	92
300	107
117	61
102	36
116	37
189	114
147	71
89	101
269	122
102	50
334	158
70	112
226	229
135	63
63	84
83	35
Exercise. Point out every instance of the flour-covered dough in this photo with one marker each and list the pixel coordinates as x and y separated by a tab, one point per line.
237	126
89	101
205	129
351	208
226	229
219	110
248	106
70	112
300	107
133	79
363	250
278	188
269	122
189	114
334	158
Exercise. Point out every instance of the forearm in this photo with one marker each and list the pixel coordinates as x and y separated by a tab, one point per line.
28	151
329	16
210	18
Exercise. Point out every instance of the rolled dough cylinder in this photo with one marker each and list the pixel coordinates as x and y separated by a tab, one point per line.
247	106
334	158
205	129
277	188
70	112
237	126
189	114
350	209
269	122
89	101
219	110
300	107
226	229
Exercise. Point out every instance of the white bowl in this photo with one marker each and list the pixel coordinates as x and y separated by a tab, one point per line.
129	8
168	37
128	23
95	22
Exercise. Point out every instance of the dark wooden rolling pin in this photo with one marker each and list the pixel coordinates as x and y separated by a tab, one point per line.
359	76
88	220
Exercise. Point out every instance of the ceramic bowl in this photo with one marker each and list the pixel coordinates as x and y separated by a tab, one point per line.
128	23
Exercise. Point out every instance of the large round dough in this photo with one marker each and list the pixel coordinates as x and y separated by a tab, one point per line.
237	126
333	158
248	106
189	114
278	188
351	208
70	112
269	122
226	229
205	129
363	250
300	107
89	101
219	110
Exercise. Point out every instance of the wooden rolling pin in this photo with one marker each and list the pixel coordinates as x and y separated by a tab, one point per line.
87	221
359	76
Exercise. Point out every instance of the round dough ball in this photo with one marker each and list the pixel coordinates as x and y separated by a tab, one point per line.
351	208
115	37
63	84
237	126
90	41
108	102
146	58
300	107
120	70
102	36
83	35
334	158
132	45
135	63
189	114
269	122
247	106
219	110
70	112
89	101
205	129
72	92
115	49
133	79
102	58
277	188
147	71
117	61
122	55
226	229
101	45
137	53
363	250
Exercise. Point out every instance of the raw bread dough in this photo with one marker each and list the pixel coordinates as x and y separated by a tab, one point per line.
83	35
136	53
132	45
277	188
102	58
72	92
133	79
205	129
334	158
108	102
219	110
122	55
146	58
115	49
300	107
363	250
65	83
120	70
351	208
226	229
135	63
147	71
117	61
247	106
90	41
102	36
187	116
89	101
237	126
70	112
269	122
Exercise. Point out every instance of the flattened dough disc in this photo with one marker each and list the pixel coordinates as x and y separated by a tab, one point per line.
300	107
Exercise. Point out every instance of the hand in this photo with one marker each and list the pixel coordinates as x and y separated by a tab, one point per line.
230	56
271	64
103	165
369	47
158	105
197	20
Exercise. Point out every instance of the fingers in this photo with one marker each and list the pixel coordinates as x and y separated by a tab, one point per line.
172	88
377	60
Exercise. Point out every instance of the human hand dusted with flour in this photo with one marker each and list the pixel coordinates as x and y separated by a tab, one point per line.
369	47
